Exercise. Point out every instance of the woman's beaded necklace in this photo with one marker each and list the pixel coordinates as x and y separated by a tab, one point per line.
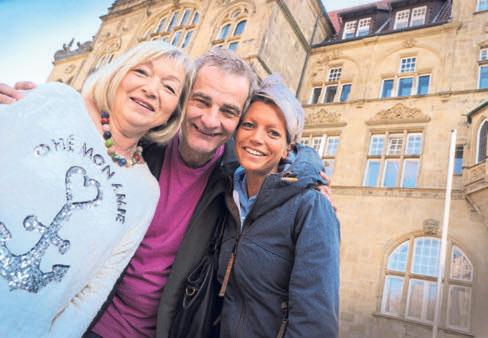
135	158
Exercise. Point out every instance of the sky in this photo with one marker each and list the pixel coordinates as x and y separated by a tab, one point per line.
31	31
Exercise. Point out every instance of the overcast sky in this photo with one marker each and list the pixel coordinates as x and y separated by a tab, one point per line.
31	31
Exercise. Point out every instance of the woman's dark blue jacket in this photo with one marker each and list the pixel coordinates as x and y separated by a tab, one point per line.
286	268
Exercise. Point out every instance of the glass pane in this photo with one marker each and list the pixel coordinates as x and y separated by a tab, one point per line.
377	144
395	143
363	27
401	20
315	95
346	89
335	74
431	297
305	141
415	298
161	25
316	144
414	144
405	86
458	160
176	38
392	168
349	29
392	295
398	258
459	306
329	167
233	46
372	173
426	256
186	17
187	39
423	85
410	173
240	28
387	88
196	19
482	141
332	143
483	77
482	5
330	93
172	22
418	16
407	65
224	31
461	268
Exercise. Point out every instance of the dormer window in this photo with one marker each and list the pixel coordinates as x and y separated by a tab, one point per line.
349	29
363	27
418	16
410	18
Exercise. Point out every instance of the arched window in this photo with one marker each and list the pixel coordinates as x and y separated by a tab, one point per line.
410	286
175	27
230	31
481	142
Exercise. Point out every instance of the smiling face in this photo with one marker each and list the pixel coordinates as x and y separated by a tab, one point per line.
147	96
212	114
261	139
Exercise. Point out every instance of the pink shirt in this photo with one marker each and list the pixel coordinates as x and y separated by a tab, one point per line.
133	310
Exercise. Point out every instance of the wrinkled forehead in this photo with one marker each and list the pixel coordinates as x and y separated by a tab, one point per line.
222	86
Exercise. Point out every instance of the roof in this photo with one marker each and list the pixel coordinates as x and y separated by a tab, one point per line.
476	110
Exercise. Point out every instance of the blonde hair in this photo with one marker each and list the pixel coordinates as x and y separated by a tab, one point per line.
102	85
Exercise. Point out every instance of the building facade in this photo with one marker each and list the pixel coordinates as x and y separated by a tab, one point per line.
383	85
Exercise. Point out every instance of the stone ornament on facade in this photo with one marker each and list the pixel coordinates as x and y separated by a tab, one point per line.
431	226
69	69
67	51
323	118
399	113
409	43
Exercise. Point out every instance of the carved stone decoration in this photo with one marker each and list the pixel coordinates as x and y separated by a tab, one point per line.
409	43
431	226
69	69
112	45
335	54
399	113
323	117
66	51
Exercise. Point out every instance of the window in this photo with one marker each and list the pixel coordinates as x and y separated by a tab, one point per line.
172	23
458	160
224	32
314	98
349	29
484	54
335	74
175	28
482	142
161	25
231	33
401	19
240	28
326	146
417	274
330	93
346	89
418	16
405	85
187	39
387	88
393	160
483	81
482	5
423	85
407	65
363	27
186	17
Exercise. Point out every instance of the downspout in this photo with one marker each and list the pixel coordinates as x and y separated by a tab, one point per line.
307	56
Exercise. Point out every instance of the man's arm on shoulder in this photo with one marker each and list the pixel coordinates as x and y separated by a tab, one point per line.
9	95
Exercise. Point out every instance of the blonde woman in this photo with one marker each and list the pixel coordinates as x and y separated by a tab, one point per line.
75	194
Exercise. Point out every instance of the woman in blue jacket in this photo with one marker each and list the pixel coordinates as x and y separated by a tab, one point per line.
279	260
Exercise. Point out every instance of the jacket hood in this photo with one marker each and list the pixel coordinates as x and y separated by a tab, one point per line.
299	172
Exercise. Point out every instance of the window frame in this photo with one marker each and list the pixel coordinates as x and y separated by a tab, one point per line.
478	144
311	98
358	26
479	75
424	8
346	30
479	3
325	93
395	25
321	147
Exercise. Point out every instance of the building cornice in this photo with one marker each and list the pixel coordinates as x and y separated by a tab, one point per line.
416	193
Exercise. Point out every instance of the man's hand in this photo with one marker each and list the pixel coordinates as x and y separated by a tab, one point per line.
326	190
9	95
